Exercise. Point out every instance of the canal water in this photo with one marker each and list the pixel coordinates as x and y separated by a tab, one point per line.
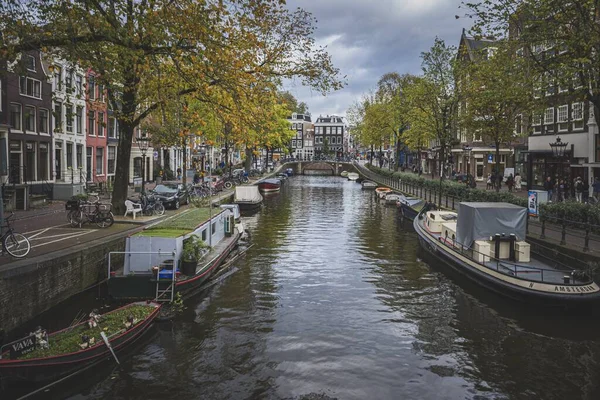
333	301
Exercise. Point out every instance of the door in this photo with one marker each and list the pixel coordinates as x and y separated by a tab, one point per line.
479	170
89	165
15	168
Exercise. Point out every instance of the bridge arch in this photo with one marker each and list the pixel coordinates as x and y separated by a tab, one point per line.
318	168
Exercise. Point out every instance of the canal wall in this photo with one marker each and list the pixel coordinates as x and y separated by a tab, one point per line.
30	287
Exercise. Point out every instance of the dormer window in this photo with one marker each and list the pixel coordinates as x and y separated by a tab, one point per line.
30	63
294	115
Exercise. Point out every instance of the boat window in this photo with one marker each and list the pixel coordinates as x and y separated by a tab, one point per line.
448	217
432	216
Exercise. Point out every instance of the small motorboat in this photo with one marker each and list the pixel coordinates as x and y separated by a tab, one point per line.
270	185
40	357
485	242
353	176
392	199
248	197
369	185
382	192
289	171
344	174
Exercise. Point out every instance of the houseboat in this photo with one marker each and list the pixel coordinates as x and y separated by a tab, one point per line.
486	243
369	185
409	207
176	255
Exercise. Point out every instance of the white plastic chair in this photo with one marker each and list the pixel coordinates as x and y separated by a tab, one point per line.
132	208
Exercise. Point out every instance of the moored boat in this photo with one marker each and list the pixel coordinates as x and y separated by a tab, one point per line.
410	206
486	243
43	358
353	176
391	199
344	174
269	185
368	185
248	197
382	191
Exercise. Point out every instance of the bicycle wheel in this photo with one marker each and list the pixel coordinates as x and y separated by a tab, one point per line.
159	209
76	218
17	245
105	220
70	215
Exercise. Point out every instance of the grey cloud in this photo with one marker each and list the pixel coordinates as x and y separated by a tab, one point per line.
369	38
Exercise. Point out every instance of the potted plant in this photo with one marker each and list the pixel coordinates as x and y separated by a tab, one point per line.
193	250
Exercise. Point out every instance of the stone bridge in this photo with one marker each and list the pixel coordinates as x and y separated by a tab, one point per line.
319	167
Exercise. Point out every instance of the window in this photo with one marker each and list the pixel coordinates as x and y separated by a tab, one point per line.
91	88
69	116
44	120
79	84
58	117
518	125
549	119
43	160
70	155
111	127
57	78
101	90
112	156
576	81
91	122
30	87
577	115
536	121
16	118
562	118
537	87
79	119
99	160
69	80
30	63
100	124
550	84
79	156
29	161
30	118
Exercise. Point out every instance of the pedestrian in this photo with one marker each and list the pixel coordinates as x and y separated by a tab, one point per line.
178	174
579	190
518	182
489	181
596	186
549	187
561	191
510	182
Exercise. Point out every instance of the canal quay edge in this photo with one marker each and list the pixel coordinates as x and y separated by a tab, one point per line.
32	286
562	253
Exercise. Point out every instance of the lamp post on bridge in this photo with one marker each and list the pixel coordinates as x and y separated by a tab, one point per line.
143	142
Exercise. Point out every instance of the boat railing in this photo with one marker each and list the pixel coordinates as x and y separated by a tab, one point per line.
571	276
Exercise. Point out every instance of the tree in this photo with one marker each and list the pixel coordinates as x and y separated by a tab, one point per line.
150	53
302	108
562	38
434	99
498	91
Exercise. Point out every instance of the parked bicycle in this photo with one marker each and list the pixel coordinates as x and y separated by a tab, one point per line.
151	205
13	242
97	213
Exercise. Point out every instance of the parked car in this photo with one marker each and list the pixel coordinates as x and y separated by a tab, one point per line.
172	194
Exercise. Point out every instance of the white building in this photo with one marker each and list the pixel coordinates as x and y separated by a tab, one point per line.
302	144
69	128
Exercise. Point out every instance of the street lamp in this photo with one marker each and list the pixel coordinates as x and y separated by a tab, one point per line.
468	149
558	148
143	142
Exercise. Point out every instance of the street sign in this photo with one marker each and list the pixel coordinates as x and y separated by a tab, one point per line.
490	157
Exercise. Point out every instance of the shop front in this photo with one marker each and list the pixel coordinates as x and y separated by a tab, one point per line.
543	164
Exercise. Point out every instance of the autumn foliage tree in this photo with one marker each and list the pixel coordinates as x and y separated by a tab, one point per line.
151	52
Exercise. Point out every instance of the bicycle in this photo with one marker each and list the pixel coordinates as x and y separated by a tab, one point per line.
13	242
96	212
151	205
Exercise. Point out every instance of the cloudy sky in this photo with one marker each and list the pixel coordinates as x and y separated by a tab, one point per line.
367	38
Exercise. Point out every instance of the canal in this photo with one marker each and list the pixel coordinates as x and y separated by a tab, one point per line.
333	301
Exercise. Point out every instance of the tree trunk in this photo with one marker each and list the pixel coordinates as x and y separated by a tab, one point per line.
248	161
397	166
121	186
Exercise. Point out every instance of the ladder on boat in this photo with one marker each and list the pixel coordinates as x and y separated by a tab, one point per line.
165	288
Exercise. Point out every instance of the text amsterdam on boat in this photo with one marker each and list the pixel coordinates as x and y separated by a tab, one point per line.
486	243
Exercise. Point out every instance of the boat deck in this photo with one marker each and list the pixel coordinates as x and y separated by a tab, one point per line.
535	270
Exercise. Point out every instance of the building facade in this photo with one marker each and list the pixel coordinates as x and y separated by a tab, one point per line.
25	129
301	145
69	129
329	136
97	123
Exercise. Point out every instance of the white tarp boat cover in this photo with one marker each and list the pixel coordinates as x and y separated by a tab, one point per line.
247	194
481	220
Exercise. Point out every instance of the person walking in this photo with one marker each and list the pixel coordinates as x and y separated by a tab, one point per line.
518	182
560	193
488	182
596	187
510	181
549	187
579	190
